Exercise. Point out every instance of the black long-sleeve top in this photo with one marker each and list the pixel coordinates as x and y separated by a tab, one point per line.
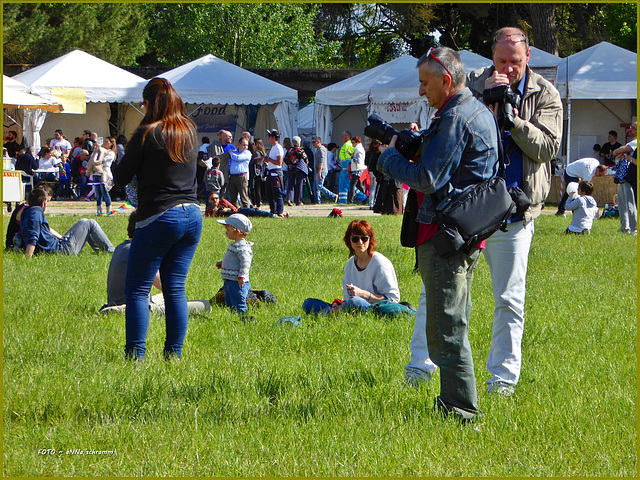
162	183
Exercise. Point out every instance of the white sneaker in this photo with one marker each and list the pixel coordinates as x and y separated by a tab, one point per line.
501	388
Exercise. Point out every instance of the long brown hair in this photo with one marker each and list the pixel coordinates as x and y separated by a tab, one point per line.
166	108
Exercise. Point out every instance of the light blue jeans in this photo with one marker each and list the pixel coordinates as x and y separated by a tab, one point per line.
320	189
84	231
420	365
168	245
507	254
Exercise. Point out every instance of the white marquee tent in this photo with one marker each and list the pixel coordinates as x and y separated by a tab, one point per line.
210	81
599	86
15	100
344	105
15	95
540	58
390	90
83	84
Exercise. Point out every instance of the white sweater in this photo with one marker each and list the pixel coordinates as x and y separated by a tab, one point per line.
378	278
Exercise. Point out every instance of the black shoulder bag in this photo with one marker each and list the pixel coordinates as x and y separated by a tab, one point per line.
474	214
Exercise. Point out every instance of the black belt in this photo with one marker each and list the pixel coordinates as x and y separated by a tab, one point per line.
239	174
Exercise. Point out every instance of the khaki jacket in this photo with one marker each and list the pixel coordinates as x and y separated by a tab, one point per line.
537	131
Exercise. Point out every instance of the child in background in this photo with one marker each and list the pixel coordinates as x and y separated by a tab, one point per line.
213	179
611	211
584	207
64	185
236	263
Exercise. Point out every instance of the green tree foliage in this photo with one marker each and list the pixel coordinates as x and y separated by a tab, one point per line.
621	24
267	35
299	35
583	25
371	34
37	33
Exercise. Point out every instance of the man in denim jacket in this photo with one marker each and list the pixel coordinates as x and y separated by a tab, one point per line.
529	147
460	149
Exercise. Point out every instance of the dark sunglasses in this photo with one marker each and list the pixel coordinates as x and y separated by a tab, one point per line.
357	238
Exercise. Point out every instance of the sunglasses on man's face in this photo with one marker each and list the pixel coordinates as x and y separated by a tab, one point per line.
357	238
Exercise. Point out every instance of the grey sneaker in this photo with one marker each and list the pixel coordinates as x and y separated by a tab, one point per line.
501	388
413	378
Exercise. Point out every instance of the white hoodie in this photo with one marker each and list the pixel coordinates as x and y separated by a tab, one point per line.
584	210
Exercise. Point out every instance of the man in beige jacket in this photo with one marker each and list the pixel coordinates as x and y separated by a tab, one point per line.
529	146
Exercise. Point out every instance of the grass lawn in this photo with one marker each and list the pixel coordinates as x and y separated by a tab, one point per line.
325	398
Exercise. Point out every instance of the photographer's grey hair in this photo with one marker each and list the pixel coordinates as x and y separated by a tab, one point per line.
450	59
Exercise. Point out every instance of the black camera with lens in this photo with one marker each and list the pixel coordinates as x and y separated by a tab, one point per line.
506	100
408	142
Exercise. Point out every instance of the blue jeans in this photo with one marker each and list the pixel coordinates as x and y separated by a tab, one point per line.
320	307
101	191
448	281
82	185
168	244
85	230
319	188
235	296
274	193
254	212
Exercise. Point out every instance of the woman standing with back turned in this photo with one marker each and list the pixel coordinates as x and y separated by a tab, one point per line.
160	154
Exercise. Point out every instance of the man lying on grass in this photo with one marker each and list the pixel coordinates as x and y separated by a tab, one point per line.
36	236
116	296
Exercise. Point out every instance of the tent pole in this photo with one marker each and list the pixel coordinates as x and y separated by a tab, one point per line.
12	119
567	161
197	109
134	107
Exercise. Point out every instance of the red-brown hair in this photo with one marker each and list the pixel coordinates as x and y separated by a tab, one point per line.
166	109
360	227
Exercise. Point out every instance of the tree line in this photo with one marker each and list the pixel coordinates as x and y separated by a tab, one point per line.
298	35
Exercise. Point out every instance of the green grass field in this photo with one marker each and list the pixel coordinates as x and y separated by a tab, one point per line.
325	398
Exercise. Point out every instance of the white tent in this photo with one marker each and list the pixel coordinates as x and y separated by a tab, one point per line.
15	100
540	58
545	64
210	81
14	95
343	105
604	71
599	85
306	119
389	90
473	61
100	81
83	84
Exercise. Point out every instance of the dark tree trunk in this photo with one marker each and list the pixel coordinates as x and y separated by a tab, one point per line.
543	26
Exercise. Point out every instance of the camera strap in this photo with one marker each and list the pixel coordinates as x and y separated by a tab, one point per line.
437	197
500	149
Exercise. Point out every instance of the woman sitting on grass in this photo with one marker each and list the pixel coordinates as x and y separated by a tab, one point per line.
369	276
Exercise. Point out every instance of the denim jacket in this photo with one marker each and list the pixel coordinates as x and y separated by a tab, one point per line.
459	149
